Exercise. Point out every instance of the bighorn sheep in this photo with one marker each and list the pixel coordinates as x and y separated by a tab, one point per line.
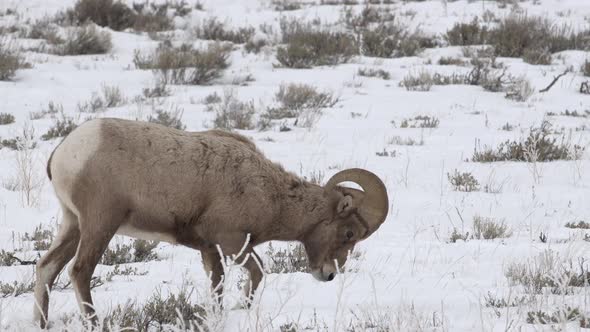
197	189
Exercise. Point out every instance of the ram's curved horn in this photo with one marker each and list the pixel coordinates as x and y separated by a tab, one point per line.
375	203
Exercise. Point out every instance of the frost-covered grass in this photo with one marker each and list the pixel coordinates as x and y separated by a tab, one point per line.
487	176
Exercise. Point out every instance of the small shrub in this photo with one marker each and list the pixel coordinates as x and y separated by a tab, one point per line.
488	229
548	271
503	302
538	146
309	47
212	29
15	289
579	225
212	98
255	46
112	96
7	258
185	65
489	78
61	128
586	68
392	40
368	15
286	5
138	251
566	314
85	40
421	81
41	237
462	34
45	29
170	119
232	113
300	101
456	236
385	153
289	260
295	98
398	140
105	13
6	118
94	105
51	109
10	61
370	72
17	144
447	61
519	33
152	17
463	181
143	250
585	87
520	89
507	127
536	56
158	91
420	121
127	272
158	313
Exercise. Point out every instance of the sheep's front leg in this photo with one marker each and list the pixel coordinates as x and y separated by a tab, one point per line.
254	267
214	267
231	245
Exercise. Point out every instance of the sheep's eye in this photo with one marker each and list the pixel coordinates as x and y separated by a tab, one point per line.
349	234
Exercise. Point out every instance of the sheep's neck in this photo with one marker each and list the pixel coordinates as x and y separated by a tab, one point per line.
301	210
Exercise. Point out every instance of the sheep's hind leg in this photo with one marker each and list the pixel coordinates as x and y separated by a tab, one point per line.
93	243
50	265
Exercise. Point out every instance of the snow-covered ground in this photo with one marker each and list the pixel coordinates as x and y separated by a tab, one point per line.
409	272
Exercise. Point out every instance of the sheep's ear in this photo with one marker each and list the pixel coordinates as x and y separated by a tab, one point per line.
344	205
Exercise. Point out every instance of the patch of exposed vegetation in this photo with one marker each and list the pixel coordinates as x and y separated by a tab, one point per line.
118	16
494	301
185	65
462	34
483	228
464	181
586	68
451	61
6	118
15	288
61	128
289	260
212	29
489	228
420	121
171	118
11	60
301	101
84	40
307	46
231	113
408	141
563	315
548	272
159	312
138	251
539	146
579	225
371	72
41	237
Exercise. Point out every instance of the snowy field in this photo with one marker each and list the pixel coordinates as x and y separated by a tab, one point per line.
428	268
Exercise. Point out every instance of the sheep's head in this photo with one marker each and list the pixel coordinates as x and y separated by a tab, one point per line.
355	216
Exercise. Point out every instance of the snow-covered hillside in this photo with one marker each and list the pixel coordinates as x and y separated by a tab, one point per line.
467	245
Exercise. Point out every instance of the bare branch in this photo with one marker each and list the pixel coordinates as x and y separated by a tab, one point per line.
555	79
